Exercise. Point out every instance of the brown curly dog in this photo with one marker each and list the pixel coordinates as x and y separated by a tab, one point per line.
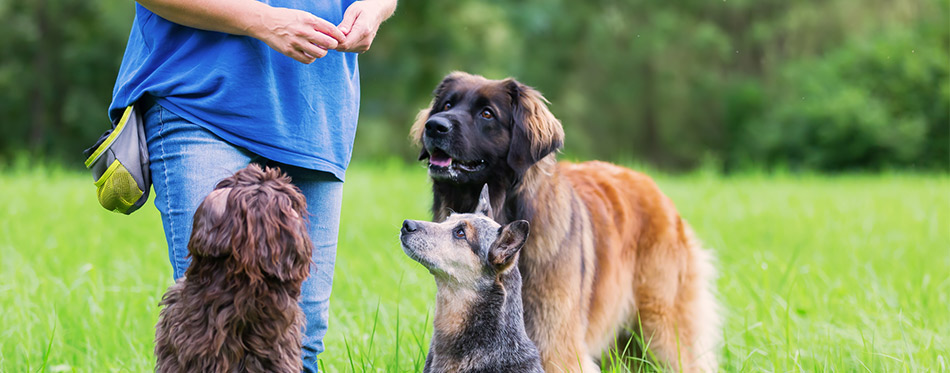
236	310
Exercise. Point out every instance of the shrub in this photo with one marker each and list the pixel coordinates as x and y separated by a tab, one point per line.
872	104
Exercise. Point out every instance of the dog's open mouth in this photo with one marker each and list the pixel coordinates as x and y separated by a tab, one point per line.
439	160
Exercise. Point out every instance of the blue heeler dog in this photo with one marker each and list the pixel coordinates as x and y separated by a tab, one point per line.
479	322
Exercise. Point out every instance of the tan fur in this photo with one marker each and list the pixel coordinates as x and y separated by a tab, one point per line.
608	252
643	241
418	125
650	270
452	306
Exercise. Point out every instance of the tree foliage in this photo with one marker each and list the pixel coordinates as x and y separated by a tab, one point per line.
837	112
810	84
57	68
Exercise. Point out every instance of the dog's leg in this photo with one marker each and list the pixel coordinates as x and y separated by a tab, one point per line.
658	319
561	343
557	329
565	358
676	311
659	334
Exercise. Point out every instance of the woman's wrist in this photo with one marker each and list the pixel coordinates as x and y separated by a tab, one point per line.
256	20
387	8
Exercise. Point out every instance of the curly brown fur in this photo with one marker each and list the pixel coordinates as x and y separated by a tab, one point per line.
608	251
236	310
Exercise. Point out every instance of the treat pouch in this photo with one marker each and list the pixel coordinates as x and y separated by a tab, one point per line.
119	164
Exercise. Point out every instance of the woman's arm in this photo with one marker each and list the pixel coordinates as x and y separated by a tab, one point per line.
295	33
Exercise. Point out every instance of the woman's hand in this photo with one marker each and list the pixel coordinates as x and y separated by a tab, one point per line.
297	34
361	22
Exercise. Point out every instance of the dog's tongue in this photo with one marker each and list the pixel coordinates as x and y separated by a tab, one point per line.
440	159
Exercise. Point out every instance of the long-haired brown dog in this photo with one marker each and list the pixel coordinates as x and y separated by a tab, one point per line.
236	310
608	251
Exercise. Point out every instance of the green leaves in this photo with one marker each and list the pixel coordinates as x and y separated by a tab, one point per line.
827	85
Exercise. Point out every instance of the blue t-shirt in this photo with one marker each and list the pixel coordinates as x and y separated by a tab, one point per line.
245	92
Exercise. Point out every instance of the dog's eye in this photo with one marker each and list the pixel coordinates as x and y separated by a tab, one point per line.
459	233
447	106
487	114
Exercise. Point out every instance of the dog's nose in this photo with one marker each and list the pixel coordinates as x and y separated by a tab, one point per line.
437	126
409	226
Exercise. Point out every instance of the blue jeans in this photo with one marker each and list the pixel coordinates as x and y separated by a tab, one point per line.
187	161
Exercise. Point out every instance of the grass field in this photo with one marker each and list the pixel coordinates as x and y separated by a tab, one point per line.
817	273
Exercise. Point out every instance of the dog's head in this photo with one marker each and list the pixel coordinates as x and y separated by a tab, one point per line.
466	249
478	130
257	220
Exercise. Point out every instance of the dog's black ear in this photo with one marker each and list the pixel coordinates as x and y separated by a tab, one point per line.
511	238
535	132
484	203
212	229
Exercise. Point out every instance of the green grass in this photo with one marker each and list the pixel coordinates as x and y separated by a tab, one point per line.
847	273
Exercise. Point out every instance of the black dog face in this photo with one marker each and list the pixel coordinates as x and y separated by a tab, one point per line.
479	130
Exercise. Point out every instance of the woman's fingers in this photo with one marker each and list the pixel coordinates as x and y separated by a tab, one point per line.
321	25
350	16
299	35
361	22
302	57
359	39
312	50
322	40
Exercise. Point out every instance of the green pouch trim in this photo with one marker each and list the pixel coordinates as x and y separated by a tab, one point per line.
117	189
112	136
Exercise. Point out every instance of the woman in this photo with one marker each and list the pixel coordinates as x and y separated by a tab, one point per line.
223	83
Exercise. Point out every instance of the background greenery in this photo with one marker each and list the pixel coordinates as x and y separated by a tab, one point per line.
817	273
738	84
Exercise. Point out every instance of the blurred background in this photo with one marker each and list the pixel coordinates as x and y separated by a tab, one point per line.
820	130
732	85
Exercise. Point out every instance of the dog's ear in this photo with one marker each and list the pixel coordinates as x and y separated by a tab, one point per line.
511	238
418	127
212	229
484	203
278	221
535	132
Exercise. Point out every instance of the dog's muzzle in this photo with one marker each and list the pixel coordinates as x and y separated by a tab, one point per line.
438	126
409	226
